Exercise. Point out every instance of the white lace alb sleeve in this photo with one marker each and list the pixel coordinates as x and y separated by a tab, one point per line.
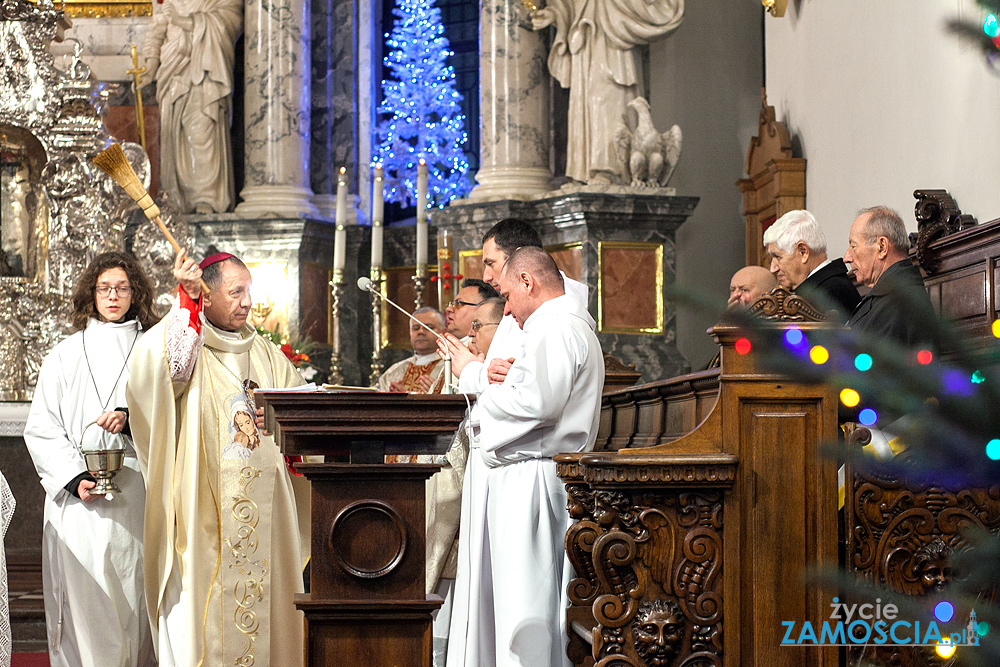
6	511
183	342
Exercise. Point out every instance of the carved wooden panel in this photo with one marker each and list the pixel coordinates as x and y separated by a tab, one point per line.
648	561
658	562
966	281
902	534
775	183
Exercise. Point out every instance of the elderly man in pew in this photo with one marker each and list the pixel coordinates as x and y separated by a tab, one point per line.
897	308
748	284
797	247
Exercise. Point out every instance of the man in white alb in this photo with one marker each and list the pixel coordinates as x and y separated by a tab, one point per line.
510	596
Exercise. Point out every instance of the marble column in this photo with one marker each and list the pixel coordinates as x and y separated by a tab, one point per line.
333	136
276	144
514	105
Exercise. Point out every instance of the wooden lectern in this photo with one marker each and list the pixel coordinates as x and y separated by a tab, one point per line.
367	603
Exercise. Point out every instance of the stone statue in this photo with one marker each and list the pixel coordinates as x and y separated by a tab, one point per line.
594	54
647	157
189	52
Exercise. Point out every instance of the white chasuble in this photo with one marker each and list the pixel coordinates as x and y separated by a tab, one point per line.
224	556
95	612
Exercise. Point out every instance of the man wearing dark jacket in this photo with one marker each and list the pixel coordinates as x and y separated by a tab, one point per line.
897	308
797	247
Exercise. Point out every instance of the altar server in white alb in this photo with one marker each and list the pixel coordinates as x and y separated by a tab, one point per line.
510	600
95	610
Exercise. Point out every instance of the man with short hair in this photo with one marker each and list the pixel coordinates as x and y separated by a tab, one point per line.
423	372
498	243
797	247
511	600
484	324
205	459
897	307
748	284
459	313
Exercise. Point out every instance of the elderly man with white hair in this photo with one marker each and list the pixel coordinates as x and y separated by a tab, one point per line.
797	247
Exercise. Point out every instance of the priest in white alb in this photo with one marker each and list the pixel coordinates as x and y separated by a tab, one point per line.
510	598
225	515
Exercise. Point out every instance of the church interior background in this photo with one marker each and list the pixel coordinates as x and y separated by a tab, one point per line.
879	99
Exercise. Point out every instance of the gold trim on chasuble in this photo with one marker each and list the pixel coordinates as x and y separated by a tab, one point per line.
247	473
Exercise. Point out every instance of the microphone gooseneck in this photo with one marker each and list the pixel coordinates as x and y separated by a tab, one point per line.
366	285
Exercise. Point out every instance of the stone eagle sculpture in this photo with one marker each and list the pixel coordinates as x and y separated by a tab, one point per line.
647	157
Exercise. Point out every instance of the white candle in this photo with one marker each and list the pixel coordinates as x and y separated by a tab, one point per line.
340	238
377	215
422	218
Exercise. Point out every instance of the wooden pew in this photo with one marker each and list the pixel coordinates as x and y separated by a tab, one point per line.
691	546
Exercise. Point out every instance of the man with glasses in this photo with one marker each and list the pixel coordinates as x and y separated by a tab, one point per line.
459	313
485	323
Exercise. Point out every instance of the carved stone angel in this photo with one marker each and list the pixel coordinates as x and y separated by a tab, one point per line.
647	157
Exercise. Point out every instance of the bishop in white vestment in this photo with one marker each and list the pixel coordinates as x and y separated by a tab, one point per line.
223	556
510	596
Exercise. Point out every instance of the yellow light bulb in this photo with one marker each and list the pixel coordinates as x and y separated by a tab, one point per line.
819	355
849	397
945	648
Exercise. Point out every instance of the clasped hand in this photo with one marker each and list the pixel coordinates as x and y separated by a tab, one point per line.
461	356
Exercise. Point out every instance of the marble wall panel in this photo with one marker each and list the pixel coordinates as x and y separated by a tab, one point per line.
585	220
333	135
630	288
569	258
315	294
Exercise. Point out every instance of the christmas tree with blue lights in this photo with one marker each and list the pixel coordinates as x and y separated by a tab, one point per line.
422	118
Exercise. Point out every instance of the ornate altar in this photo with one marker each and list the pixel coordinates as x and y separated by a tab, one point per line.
58	210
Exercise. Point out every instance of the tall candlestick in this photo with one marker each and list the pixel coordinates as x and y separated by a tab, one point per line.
422	218
340	238
377	215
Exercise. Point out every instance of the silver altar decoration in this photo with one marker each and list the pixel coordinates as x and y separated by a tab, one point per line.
59	210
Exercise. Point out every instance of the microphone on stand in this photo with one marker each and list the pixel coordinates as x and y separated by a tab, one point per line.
365	284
